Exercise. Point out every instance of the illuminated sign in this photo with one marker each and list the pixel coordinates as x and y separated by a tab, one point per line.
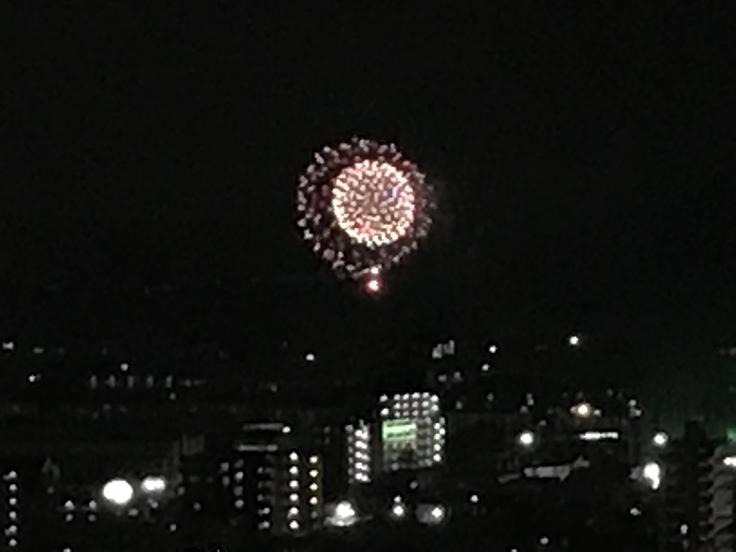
399	431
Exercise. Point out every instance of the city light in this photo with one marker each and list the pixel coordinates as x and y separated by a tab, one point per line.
431	514
343	515
600	436
652	474
660	439
526	439
398	511
118	492
153	485
582	410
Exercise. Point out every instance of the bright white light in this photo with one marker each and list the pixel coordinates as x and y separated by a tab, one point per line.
493	349
153	484
286	430
660	439
653	474
309	357
599	435
730	461
582	410
118	492
343	515
398	511
431	514
344	510
573	340
474	498
526	438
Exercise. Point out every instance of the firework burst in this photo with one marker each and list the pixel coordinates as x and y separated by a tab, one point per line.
362	207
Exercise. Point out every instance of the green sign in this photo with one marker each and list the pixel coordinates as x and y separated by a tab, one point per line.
399	431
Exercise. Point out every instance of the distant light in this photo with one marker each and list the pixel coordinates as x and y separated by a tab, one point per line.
153	484
286	429
544	541
33	378
343	515
652	473
599	436
582	410
309	357
526	438
493	349
474	498
730	461
574	340
660	439
118	492
431	514
684	529
636	512
124	366
398	511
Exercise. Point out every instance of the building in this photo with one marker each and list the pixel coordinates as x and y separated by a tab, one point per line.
686	489
412	431
359	453
722	523
267	480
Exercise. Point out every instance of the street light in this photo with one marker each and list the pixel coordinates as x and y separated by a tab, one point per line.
343	515
582	410
398	511
118	492
153	484
660	439
652	473
526	439
431	514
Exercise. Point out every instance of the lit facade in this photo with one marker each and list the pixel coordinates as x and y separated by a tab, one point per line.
413	431
272	482
722	499
10	510
297	493
359	453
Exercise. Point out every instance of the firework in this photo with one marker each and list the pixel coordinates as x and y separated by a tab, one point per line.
362	207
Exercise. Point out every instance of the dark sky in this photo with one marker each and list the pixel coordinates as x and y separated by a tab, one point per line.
584	155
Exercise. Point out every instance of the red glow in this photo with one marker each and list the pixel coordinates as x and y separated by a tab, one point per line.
373	285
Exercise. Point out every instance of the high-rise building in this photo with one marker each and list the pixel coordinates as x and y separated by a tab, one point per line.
268	480
722	536
412	431
296	492
359	452
686	488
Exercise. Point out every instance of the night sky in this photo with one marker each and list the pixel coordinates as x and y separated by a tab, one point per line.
584	159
